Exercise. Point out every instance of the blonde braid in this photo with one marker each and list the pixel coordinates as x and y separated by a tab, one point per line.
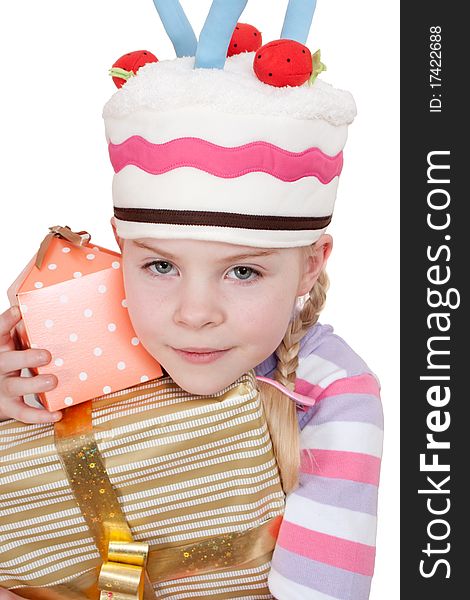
288	350
281	413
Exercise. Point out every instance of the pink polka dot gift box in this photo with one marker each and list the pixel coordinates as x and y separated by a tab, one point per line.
72	301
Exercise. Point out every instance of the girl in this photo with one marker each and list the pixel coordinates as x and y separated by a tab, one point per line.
230	276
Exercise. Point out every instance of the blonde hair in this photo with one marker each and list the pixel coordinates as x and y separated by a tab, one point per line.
280	410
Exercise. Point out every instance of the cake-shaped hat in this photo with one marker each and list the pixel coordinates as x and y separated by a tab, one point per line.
231	141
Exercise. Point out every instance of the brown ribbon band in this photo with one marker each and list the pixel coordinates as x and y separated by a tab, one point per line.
220	219
79	238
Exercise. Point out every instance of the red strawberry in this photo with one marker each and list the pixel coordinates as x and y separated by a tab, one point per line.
128	65
245	38
283	62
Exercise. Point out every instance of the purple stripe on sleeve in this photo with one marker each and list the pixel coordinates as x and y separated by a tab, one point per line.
321	340
307	344
267	366
339	583
349	407
314	336
314	339
304	417
353	495
339	353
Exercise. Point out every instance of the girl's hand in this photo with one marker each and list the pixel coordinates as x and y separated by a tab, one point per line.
13	387
6	595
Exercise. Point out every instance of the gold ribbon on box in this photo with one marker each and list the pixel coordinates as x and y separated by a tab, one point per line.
122	575
163	564
128	566
79	238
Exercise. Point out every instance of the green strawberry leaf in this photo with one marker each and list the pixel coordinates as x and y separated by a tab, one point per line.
122	73
317	67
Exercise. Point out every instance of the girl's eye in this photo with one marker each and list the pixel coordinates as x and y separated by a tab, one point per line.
162	267
244	273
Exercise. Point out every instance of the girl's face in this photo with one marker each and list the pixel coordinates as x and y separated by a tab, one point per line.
199	295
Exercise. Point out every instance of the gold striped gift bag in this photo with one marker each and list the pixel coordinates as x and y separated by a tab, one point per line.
195	477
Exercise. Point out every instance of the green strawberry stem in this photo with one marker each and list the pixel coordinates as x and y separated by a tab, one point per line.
122	73
317	67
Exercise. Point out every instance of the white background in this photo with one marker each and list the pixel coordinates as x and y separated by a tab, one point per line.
55	168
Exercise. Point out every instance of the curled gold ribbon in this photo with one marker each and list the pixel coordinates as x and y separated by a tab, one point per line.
122	575
132	553
79	238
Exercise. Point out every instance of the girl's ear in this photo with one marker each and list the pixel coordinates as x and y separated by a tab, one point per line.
119	241
314	263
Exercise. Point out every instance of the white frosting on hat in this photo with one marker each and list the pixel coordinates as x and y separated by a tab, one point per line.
172	84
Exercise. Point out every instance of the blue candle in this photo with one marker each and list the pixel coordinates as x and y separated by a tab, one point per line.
177	26
298	20
217	32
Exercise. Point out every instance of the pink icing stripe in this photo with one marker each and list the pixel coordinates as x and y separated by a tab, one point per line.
225	162
335	551
339	464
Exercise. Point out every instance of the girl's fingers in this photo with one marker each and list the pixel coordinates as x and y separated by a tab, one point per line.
19	386
6	595
13	387
15	360
16	409
8	320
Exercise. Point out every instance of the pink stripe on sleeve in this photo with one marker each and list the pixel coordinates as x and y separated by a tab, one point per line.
304	387
334	551
339	464
359	384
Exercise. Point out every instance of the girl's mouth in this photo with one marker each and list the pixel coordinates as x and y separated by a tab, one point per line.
201	357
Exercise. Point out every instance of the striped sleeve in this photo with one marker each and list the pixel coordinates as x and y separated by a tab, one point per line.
326	544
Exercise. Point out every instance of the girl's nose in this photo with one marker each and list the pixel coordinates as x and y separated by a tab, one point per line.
198	307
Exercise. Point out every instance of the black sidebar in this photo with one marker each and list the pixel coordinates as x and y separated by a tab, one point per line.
435	268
